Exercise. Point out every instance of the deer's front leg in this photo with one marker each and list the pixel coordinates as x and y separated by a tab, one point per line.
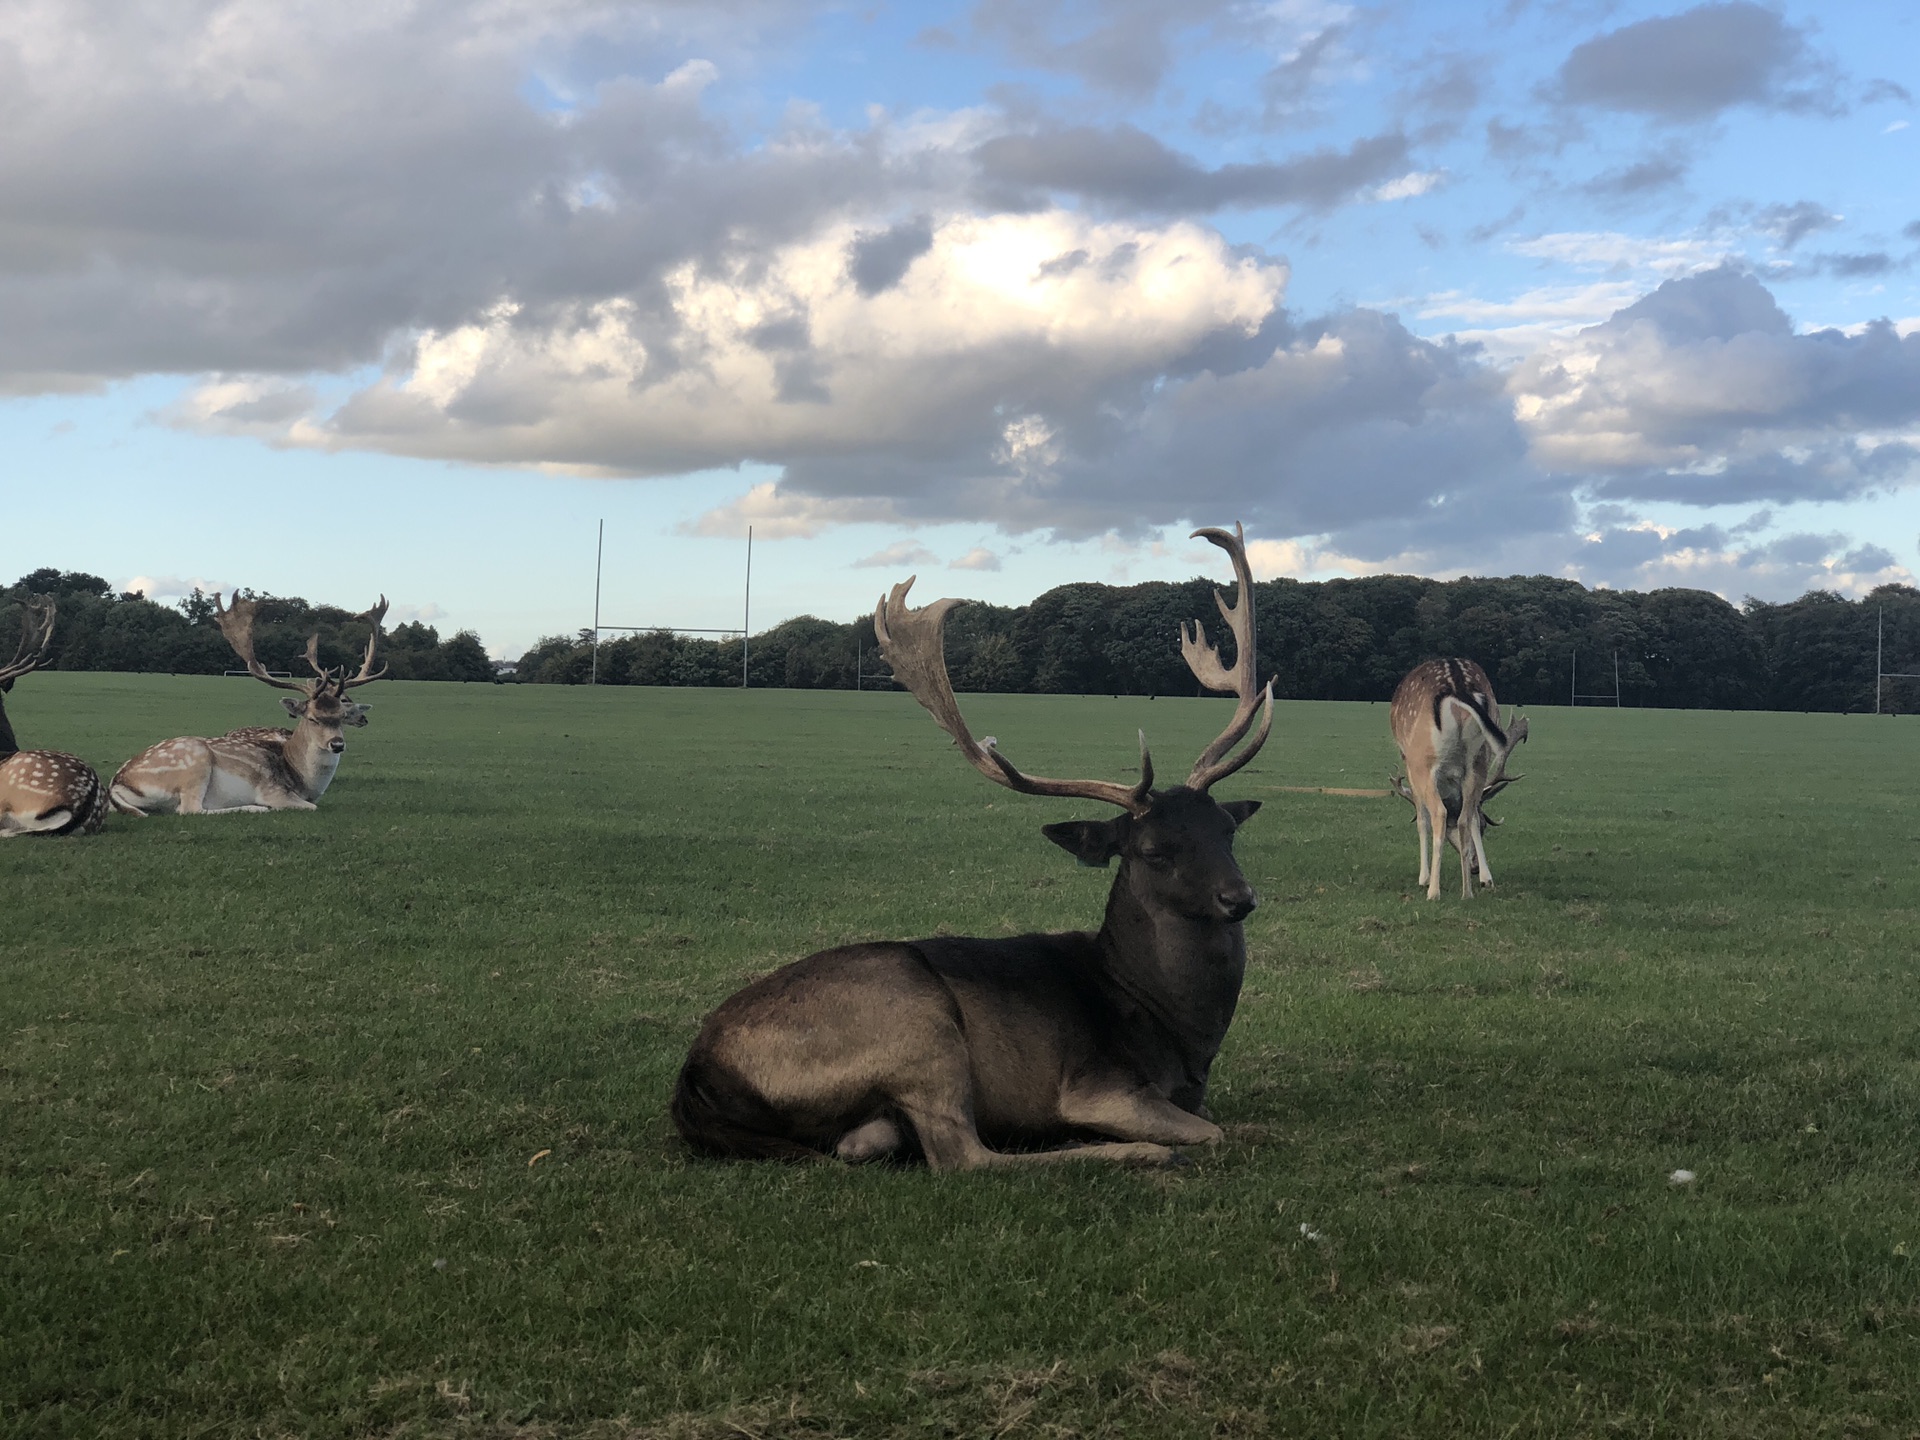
1136	1115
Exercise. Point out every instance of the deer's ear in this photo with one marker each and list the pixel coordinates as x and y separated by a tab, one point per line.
1241	810
293	707
1091	842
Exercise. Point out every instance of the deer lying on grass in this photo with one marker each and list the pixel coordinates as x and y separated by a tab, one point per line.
950	1046
255	768
1454	748
42	792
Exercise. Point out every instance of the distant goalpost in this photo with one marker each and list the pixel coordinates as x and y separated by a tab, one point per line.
1880	672
1574	697
746	612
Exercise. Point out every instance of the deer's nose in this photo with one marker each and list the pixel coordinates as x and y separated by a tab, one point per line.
336	745
1236	902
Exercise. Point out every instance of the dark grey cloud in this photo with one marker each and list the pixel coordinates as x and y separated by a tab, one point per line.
1346	425
879	259
1859	265
1123	47
1693	65
1831	471
1130	169
1790	224
368	178
1643	177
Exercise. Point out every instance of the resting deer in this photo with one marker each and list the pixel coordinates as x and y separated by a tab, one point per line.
1447	725
255	768
42	792
953	1046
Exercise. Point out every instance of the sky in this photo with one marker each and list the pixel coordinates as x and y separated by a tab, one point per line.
407	299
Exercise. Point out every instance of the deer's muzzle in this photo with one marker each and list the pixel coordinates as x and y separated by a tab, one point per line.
1236	902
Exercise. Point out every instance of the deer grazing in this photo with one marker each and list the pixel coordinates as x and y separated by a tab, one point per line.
1454	749
950	1046
255	768
42	792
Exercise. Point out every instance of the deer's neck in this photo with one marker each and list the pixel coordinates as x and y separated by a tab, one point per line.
1183	978
311	762
8	745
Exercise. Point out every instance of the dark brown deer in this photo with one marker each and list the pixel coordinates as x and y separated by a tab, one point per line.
256	768
951	1047
1455	750
42	792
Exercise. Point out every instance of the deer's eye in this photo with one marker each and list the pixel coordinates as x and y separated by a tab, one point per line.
1157	859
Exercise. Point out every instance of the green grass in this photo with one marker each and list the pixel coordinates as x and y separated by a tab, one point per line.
259	1074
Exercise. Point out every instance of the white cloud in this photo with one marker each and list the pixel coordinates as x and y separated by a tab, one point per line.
778	356
780	515
169	587
978	558
426	614
1611	250
897	555
1418	182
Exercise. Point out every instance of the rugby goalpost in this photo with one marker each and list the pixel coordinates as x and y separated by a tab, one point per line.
1880	672
746	611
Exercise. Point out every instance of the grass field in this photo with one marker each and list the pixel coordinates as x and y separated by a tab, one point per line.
353	1123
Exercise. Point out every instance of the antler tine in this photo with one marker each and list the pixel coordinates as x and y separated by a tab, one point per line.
236	623
1403	789
1516	735
313	657
36	634
1204	660
914	644
367	673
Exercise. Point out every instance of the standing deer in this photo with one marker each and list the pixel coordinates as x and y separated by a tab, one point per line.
255	768
953	1046
1447	725
42	792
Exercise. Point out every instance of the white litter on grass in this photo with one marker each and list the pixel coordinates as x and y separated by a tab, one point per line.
439	1264
1307	1232
1681	1177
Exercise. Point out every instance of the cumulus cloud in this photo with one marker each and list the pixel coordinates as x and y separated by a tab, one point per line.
978	558
1703	391
780	357
1693	65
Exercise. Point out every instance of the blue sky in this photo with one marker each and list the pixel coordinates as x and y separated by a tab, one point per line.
337	301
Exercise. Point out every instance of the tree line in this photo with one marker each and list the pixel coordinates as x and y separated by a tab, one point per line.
101	630
1323	640
1336	640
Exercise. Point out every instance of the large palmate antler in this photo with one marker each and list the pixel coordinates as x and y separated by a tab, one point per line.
236	623
36	634
914	644
1216	762
1516	734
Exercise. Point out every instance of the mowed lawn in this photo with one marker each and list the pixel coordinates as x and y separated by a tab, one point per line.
353	1123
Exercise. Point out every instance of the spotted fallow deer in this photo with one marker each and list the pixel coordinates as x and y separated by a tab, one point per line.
255	768
42	792
970	1052
1454	749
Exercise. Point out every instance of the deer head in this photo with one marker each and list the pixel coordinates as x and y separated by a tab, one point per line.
1174	845
325	707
